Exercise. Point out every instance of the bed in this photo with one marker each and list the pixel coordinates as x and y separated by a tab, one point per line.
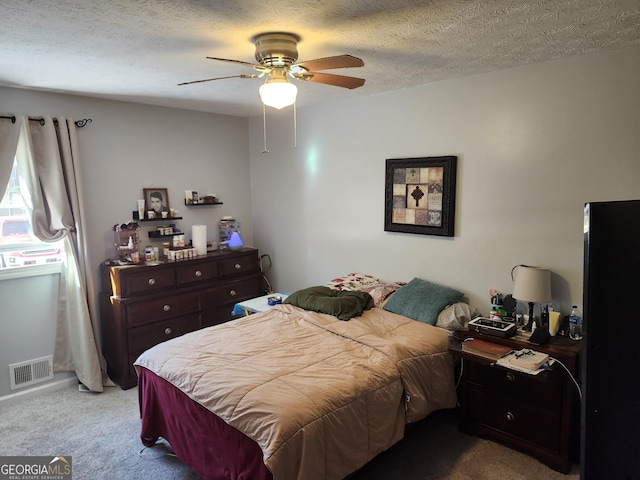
293	392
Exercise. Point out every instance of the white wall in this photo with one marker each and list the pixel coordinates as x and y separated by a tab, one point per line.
28	321
128	147
533	143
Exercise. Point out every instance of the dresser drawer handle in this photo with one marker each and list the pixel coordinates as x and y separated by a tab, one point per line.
166	308
233	293
152	281
510	376
198	273
510	416
167	331
238	266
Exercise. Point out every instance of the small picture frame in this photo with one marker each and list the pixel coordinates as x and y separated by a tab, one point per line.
157	202
195	196
420	195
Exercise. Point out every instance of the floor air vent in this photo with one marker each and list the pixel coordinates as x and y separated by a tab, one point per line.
32	371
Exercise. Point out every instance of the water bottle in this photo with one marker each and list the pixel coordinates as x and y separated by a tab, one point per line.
575	324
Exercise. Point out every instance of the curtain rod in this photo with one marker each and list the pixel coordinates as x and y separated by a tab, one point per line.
78	123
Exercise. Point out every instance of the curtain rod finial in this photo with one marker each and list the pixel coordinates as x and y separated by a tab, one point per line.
83	122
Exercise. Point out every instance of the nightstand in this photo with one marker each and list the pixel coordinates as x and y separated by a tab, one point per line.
537	414
256	305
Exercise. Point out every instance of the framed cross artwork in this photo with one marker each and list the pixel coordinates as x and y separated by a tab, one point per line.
420	195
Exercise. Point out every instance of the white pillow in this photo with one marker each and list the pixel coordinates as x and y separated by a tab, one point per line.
456	316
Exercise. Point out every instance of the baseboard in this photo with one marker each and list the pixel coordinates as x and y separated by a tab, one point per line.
36	391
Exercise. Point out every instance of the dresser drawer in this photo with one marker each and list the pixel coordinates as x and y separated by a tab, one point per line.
195	273
146	336
231	292
510	415
149	311
239	265
543	389
144	281
218	315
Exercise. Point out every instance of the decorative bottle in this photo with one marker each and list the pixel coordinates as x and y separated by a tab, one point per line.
575	324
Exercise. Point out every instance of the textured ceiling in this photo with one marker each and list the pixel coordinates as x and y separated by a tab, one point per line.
139	50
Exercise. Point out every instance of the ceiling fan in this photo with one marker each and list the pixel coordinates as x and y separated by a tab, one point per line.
277	54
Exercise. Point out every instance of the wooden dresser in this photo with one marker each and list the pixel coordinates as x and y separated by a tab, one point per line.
144	305
538	414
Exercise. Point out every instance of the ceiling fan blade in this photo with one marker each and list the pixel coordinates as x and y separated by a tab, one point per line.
251	75
330	79
240	62
339	61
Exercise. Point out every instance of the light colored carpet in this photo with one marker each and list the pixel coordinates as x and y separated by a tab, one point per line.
101	434
434	449
100	431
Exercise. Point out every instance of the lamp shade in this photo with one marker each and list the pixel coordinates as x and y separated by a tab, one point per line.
277	91
532	285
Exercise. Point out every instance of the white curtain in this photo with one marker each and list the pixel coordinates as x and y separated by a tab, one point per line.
9	133
48	160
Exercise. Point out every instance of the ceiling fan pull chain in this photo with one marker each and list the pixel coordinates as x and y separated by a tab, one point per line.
264	127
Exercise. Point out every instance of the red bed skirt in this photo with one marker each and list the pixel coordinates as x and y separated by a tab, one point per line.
204	442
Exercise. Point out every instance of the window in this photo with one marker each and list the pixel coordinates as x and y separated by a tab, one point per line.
20	249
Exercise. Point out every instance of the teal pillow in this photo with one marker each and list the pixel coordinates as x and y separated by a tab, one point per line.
422	300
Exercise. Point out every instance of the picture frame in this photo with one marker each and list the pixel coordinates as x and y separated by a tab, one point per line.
156	199
420	195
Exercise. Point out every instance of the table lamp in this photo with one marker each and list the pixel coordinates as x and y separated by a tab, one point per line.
533	285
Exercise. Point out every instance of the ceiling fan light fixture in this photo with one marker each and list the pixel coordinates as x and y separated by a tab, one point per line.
277	91
277	54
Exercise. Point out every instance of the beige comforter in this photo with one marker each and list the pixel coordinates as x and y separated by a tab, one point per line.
320	396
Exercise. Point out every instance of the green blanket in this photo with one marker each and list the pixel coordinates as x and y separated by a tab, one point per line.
339	303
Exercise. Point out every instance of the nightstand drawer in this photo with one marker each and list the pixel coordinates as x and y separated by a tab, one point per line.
146	336
512	416
543	389
150	311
